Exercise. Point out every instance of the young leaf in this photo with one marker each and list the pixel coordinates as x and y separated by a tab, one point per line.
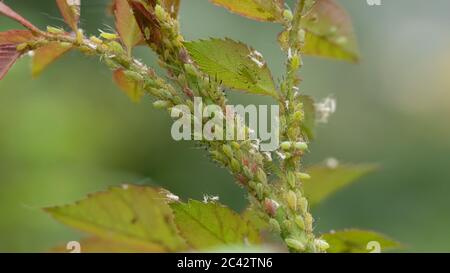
126	24
326	180
207	225
261	10
16	37
309	122
45	55
358	241
130	86
329	32
235	64
8	12
101	245
70	10
147	22
134	215
8	56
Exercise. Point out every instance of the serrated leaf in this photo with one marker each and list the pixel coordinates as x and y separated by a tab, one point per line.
357	241
129	86
8	12
134	215
126	24
70	11
326	180
46	55
207	225
330	32
8	56
100	245
261	10
309	121
16	37
235	64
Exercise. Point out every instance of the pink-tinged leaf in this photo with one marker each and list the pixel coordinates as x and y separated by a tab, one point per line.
46	55
8	12
129	86
70	10
8	56
126	24
147	21
16	37
329	32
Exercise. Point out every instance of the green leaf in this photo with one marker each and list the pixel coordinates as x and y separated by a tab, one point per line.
235	64
134	215
325	180
255	218
130	86
330	32
70	10
261	10
309	122
358	241
207	225
126	24
47	54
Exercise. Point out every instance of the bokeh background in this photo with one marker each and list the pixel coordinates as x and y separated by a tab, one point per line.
72	132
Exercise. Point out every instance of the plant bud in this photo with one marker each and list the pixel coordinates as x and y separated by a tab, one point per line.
291	180
286	146
261	175
133	75
322	245
303	202
298	116
274	226
235	166
295	244
302	146
248	172
227	150
303	176
291	198
191	70
299	221
161	104
160	13
260	191
271	207
295	62
287	15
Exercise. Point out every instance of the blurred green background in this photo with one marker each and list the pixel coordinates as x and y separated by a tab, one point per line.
72	132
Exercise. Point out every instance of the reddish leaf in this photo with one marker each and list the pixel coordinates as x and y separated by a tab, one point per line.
128	85
70	10
8	12
8	56
46	55
147	21
15	36
126	24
